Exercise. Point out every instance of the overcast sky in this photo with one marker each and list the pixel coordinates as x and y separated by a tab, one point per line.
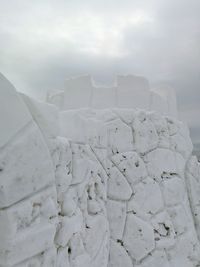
42	42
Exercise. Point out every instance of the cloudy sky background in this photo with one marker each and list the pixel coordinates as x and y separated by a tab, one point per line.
43	42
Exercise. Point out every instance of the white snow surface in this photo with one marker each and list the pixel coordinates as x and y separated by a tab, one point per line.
113	187
130	91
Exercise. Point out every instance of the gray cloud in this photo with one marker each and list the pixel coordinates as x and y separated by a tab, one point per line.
42	42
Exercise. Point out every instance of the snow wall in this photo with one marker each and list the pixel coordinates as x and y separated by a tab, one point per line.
129	92
95	188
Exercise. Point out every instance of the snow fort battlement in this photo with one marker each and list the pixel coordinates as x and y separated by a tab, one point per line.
129	92
85	187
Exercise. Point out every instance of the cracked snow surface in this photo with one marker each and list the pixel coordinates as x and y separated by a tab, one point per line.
112	188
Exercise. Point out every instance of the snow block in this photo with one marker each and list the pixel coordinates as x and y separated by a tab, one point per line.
44	259
56	99
138	237
118	187
105	97
193	178
27	213
158	103
45	115
132	166
120	137
169	96
147	199
133	92
23	227
145	135
130	91
81	126
25	165
61	154
13	113
163	162
78	92
118	255
27	245
116	217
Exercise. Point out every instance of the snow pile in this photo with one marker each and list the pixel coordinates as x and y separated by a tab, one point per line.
96	188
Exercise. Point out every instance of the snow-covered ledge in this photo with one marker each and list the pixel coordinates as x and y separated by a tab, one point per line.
95	188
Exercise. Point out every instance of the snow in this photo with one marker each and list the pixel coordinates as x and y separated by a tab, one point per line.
138	237
132	167
45	115
118	255
97	187
157	102
147	199
116	211
13	113
118	187
78	92
103	97
168	93
26	166
146	224
130	91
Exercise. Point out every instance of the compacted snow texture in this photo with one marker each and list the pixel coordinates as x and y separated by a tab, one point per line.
129	91
96	188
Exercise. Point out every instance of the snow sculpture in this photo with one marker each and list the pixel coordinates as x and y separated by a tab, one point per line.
168	106
193	180
133	92
14	120
82	237
96	188
78	92
28	211
130	92
148	207
103	97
